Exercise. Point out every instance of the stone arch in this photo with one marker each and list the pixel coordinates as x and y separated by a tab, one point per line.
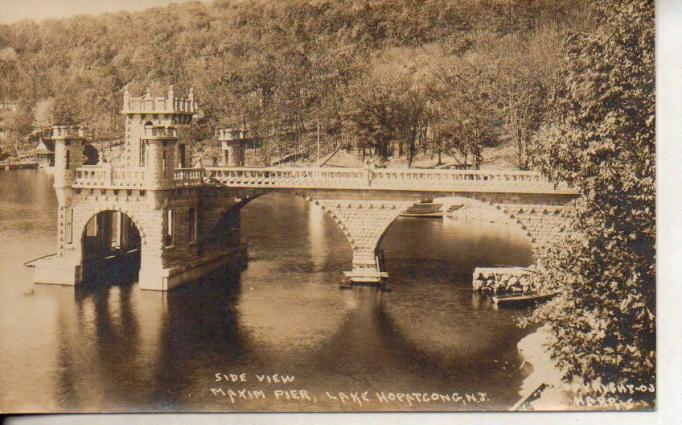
389	212
505	215
85	215
363	222
341	225
248	197
229	205
388	225
112	252
542	224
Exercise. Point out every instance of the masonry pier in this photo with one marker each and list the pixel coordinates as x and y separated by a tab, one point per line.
180	223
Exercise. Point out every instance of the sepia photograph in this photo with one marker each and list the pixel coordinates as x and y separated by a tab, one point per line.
327	206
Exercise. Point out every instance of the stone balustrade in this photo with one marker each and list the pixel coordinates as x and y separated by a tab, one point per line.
519	179
387	179
330	178
108	177
289	177
187	177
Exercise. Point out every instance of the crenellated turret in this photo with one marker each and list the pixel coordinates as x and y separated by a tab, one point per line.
158	155
68	151
233	144
169	104
148	110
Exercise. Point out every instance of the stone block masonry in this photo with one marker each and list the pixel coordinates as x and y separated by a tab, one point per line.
364	224
205	227
188	219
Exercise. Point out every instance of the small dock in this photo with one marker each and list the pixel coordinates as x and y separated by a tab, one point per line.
523	299
511	286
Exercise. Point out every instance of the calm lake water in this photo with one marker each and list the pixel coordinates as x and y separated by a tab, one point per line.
121	349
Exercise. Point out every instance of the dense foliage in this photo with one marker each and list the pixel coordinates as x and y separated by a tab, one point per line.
394	76
603	141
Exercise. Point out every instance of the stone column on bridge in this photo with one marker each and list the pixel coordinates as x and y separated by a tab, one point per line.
364	222
233	144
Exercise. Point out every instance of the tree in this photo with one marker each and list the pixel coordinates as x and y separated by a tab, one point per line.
44	113
520	75
9	74
465	120
372	112
603	323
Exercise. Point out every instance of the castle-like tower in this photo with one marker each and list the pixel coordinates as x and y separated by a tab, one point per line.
233	145
157	111
68	150
68	153
150	210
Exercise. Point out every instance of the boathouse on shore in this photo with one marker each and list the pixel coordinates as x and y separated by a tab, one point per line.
44	153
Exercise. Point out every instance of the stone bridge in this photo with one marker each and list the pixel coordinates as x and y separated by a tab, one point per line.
181	222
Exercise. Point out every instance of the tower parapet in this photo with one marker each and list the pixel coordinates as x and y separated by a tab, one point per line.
69	132
170	104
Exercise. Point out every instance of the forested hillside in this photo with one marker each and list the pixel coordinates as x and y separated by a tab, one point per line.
394	76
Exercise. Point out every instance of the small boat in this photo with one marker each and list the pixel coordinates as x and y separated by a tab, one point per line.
522	299
424	209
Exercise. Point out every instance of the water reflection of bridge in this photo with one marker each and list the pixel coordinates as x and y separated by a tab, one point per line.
152	351
188	218
120	348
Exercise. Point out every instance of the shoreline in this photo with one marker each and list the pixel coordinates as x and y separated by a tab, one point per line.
542	389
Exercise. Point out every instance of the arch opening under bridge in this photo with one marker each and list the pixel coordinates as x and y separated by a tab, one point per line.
452	247
284	207
111	246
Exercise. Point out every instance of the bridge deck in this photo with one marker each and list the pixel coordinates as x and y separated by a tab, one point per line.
421	180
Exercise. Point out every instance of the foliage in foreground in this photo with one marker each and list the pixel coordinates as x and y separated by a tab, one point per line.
603	324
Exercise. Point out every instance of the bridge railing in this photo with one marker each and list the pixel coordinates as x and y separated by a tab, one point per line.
93	176
185	177
382	178
323	178
350	178
390	178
